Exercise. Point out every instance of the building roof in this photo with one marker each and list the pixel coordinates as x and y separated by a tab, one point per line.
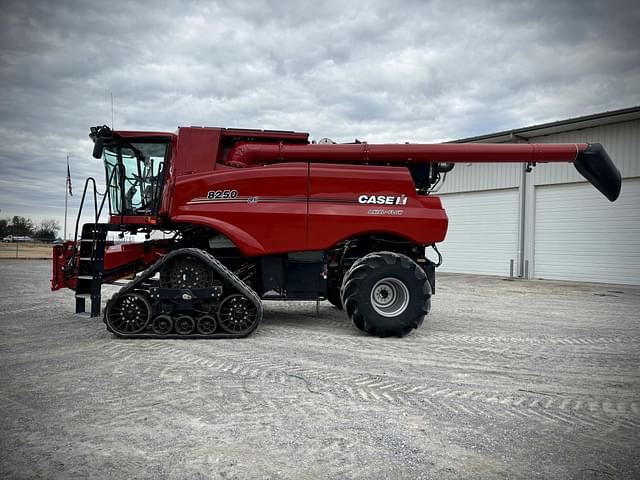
577	123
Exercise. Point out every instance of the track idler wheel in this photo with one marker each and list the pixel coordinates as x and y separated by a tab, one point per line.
184	325
128	314
206	325
238	315
162	325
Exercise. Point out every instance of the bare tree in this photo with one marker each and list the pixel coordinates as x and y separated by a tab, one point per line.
21	226
48	229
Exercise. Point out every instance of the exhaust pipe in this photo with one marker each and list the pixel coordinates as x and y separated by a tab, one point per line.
596	166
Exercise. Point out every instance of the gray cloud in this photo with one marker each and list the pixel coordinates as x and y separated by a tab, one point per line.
381	71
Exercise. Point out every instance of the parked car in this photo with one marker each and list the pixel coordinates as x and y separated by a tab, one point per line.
17	238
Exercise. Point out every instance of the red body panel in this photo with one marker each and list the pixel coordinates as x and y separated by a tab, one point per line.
61	256
198	149
118	255
335	214
298	206
268	215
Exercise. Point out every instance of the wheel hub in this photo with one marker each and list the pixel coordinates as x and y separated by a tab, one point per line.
236	314
389	297
129	314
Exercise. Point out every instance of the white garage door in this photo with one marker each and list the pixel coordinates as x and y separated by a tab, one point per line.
580	235
483	232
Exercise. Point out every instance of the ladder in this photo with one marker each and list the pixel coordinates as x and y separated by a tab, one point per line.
90	253
91	267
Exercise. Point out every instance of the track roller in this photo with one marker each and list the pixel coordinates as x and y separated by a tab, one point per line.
206	325
162	325
184	325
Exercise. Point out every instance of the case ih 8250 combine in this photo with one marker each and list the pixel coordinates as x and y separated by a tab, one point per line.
267	215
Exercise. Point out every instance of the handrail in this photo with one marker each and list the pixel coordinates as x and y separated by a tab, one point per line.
97	211
95	204
156	185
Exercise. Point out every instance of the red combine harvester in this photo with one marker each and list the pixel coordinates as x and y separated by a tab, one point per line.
267	215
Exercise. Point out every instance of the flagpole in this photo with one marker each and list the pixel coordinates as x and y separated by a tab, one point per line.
66	195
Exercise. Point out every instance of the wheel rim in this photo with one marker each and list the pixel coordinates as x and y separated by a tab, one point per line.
206	325
162	324
186	272
237	314
185	324
129	314
389	297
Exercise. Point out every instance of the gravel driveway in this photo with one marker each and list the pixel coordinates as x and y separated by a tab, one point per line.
505	379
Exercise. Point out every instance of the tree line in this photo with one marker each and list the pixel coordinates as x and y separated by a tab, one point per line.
46	230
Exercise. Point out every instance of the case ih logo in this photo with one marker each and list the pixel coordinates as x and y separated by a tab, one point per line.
382	200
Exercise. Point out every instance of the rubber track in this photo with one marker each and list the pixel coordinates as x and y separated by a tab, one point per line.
217	267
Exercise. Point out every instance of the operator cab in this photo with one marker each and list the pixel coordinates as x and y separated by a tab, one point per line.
134	168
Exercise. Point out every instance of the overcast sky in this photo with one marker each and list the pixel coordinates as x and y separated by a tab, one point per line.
394	71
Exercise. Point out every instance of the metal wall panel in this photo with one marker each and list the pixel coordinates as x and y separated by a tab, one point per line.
621	140
581	236
483	232
469	177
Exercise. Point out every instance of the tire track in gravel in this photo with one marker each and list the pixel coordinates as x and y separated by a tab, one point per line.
25	309
534	341
447	339
503	358
329	325
373	388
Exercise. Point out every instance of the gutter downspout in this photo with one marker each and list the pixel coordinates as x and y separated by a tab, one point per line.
524	267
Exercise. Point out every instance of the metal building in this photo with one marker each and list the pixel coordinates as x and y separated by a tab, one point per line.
549	223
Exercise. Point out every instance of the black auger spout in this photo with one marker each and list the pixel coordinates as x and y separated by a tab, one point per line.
595	165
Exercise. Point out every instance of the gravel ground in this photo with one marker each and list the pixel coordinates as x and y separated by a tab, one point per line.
506	379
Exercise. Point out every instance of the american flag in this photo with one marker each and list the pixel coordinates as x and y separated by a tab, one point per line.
69	178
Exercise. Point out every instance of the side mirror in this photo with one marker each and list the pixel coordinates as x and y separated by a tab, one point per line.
98	146
445	167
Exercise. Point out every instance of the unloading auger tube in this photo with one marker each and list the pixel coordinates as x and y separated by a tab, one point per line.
194	296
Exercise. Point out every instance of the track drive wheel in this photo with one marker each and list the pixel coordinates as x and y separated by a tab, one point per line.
386	294
186	271
128	314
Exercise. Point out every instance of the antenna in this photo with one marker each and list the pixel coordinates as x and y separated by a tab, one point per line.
112	125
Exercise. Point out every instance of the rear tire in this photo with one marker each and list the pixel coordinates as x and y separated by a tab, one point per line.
386	294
